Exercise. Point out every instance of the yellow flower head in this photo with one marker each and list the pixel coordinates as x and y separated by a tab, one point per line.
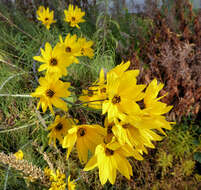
58	176
111	157
59	185
57	179
86	137
123	93
70	47
50	91
47	172
54	60
45	16
152	114
71	184
59	129
74	16
85	47
19	155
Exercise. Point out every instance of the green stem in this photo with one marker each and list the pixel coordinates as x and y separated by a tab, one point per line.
6	179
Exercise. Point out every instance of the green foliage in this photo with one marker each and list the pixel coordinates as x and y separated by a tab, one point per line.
181	142
188	167
164	161
107	29
197	156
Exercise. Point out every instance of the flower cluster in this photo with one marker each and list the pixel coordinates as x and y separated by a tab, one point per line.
57	180
55	62
134	114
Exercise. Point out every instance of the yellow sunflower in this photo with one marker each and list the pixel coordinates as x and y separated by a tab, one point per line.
74	16
19	155
50	91
123	93
111	157
45	16
70	47
85	47
86	137
59	129
152	114
57	179
55	61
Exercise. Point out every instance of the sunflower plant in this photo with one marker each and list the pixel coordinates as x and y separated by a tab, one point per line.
134	115
45	16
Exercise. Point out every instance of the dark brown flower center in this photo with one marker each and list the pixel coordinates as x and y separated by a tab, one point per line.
125	126
59	127
53	62
116	99
109	129
103	90
109	152
46	19
50	93
82	51
81	132
73	18
68	49
90	93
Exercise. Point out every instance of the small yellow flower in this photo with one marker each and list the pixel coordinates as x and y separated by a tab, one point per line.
47	172
85	47
45	16
57	179
71	184
54	60
19	155
58	186
58	176
74	16
111	157
59	129
50	91
86	137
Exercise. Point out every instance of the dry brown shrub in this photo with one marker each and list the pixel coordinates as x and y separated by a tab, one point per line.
174	58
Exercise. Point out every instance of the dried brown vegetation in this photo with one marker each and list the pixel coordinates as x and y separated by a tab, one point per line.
173	56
